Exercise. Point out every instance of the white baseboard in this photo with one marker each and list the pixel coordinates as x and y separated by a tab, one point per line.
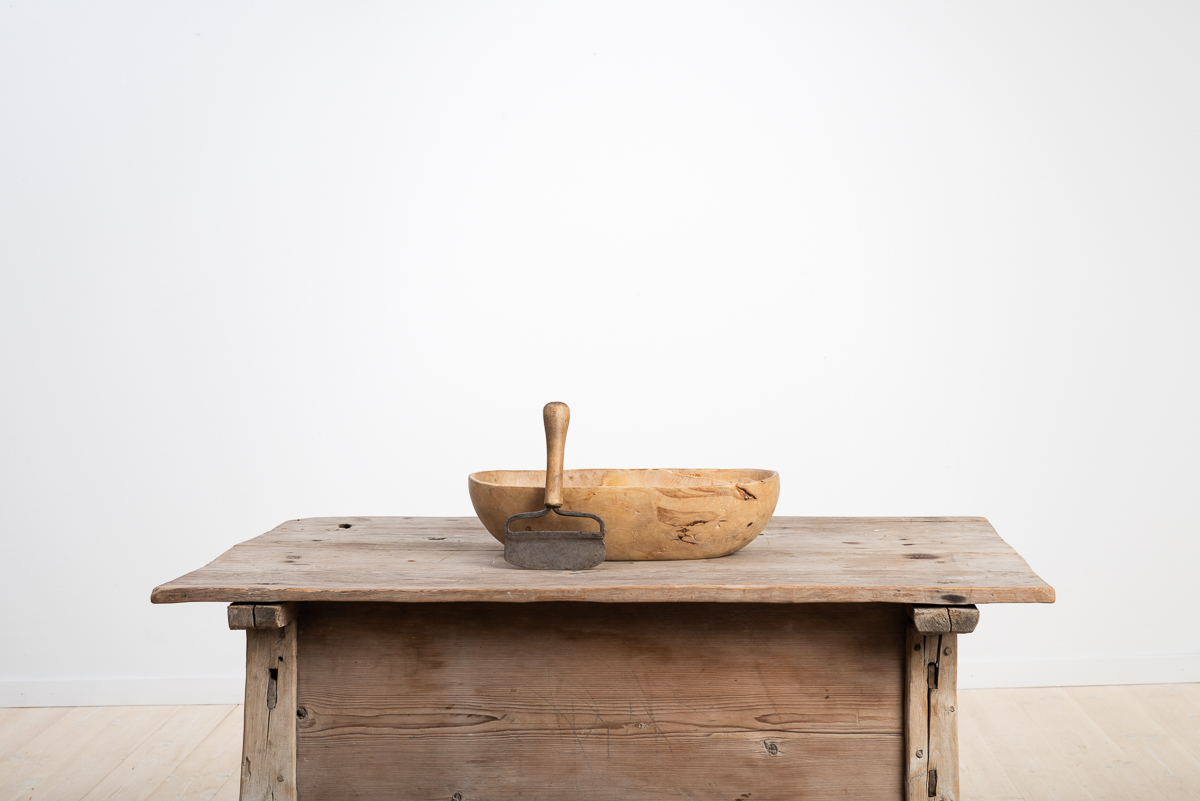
1179	668
1172	669
124	692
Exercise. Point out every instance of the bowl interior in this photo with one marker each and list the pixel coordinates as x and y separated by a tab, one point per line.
662	477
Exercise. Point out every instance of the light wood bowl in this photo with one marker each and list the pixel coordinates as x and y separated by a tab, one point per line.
648	514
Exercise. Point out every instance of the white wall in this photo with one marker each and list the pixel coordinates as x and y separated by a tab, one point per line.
268	260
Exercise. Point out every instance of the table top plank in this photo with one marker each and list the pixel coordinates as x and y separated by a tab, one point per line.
938	560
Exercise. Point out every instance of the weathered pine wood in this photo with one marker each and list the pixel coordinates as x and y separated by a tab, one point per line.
944	619
708	702
268	769
958	560
963	619
943	718
931	716
240	616
261	616
916	715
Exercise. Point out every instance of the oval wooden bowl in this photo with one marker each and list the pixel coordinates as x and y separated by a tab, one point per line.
648	514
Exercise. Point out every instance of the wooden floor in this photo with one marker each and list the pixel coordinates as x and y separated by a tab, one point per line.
1140	742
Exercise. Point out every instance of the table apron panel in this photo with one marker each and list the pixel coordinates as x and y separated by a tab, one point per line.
604	701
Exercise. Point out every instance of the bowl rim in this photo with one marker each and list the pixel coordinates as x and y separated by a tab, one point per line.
763	476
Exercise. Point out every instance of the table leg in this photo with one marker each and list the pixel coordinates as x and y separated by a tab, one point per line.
931	716
269	733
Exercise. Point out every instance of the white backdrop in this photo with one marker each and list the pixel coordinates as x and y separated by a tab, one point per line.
274	260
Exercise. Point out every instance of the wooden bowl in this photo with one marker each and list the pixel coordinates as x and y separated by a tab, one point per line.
648	514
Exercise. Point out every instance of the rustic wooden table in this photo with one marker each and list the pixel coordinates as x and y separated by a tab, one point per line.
403	658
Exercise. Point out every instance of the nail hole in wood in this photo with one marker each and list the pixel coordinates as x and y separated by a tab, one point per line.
343	525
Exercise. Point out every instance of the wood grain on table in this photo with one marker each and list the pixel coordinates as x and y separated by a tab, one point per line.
932	560
698	701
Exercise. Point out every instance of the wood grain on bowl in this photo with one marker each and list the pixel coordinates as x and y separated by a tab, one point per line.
649	514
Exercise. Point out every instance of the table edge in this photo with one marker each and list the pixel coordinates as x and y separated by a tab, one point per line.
168	594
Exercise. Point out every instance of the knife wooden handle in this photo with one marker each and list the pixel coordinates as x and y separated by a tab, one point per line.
556	415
